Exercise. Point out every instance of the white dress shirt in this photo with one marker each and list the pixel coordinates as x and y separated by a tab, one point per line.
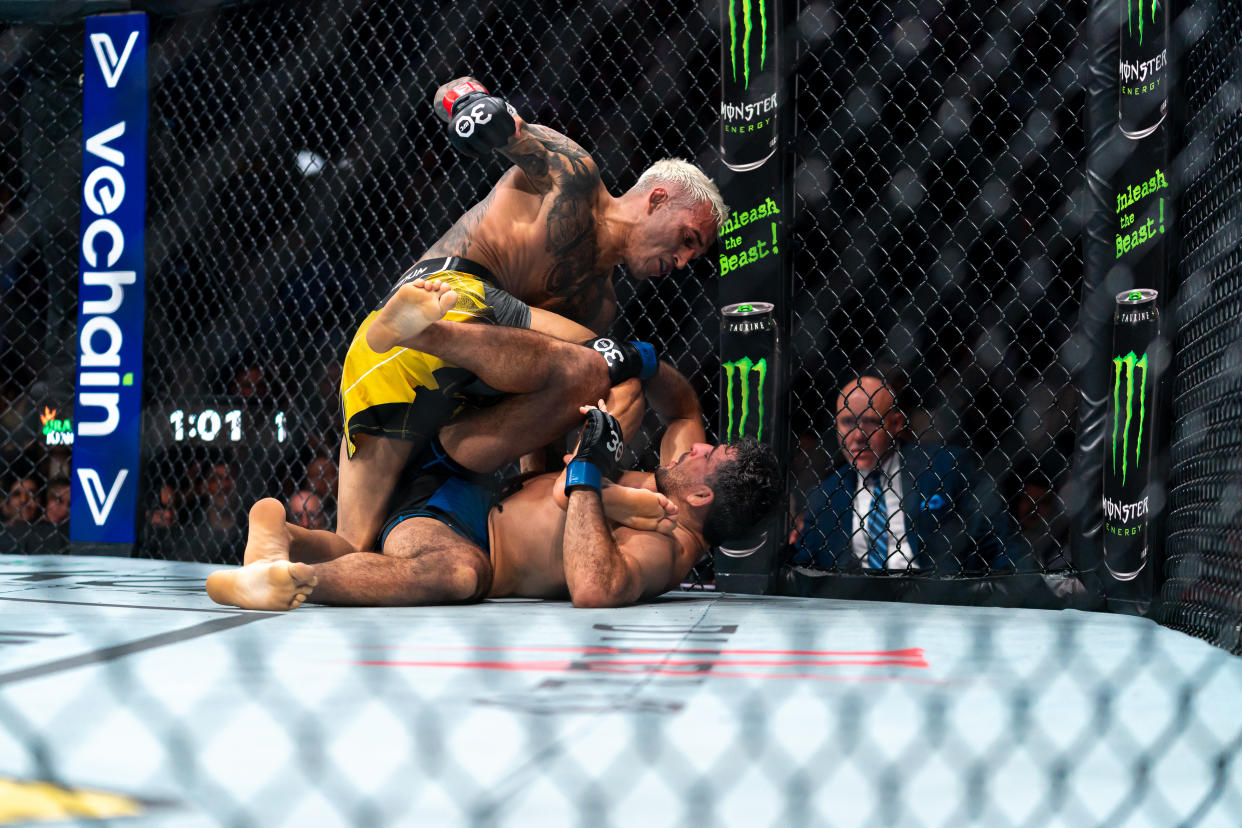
900	556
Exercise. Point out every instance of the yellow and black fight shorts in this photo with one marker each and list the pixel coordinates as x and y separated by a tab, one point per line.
408	395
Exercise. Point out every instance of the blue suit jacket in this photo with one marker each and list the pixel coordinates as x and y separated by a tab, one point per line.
950	524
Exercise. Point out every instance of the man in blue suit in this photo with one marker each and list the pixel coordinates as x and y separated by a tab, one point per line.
899	507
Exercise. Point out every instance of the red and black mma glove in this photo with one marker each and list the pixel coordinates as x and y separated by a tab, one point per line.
478	122
600	444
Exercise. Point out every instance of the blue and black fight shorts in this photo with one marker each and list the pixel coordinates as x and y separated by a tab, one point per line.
434	485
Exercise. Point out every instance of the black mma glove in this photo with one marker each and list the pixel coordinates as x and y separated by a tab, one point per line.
600	444
478	122
626	359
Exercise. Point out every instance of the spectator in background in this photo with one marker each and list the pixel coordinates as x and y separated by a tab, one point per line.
50	536
221	508
56	502
321	478
321	475
217	531
1042	521
307	510
21	507
896	506
164	515
249	383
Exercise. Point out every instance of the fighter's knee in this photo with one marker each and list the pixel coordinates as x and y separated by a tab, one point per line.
588	374
470	578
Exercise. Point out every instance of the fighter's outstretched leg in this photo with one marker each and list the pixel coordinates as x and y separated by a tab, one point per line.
409	312
424	562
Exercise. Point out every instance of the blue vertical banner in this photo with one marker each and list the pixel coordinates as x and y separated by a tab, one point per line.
111	280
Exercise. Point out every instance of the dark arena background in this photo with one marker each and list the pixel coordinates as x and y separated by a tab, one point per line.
1024	216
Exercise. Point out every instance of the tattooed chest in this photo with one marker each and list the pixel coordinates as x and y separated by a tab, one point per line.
585	297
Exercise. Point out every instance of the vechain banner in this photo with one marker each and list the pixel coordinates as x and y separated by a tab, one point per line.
111	280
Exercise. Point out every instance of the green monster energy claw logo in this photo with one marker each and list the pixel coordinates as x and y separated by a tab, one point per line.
748	26
743	368
1155	5
1127	365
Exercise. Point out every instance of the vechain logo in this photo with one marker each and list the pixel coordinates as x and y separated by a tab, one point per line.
740	402
108	397
100	338
110	63
1124	369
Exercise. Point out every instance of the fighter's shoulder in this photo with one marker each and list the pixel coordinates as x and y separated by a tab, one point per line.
516	180
644	543
666	560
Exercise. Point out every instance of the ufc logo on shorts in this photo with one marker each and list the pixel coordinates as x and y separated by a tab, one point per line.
477	114
608	348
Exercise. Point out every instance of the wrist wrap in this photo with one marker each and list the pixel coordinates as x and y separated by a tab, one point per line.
582	474
626	360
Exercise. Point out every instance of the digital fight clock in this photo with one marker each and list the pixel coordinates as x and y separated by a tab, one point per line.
221	422
236	425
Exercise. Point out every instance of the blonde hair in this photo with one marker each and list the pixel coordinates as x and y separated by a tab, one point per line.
693	183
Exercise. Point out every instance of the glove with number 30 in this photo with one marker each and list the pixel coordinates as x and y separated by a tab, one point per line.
600	444
478	122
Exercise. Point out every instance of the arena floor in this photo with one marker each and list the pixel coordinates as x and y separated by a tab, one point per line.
149	705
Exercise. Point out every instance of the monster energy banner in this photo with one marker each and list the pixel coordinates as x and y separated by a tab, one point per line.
750	263
1141	216
1143	97
750	350
751	88
753	260
750	407
1128	459
1132	193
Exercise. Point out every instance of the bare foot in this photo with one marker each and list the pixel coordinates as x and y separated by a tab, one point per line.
267	538
408	313
263	585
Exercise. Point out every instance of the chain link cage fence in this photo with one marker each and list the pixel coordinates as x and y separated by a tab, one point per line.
295	170
939	158
1203	577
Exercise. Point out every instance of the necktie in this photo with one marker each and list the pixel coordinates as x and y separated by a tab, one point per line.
877	526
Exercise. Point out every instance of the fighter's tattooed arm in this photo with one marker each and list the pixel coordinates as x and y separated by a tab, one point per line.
549	159
564	171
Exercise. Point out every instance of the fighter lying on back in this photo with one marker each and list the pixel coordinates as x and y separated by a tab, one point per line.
552	537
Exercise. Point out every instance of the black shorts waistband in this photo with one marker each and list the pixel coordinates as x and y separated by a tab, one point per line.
426	267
